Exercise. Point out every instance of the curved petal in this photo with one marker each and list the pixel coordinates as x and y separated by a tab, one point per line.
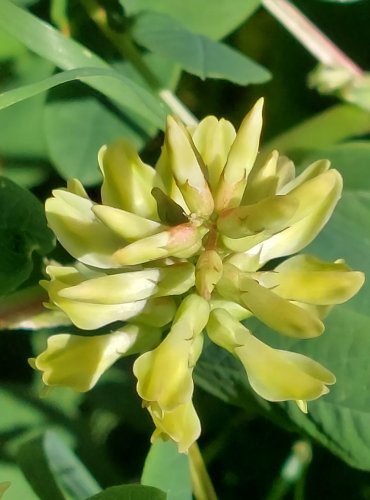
126	225
242	155
81	233
78	362
182	425
183	241
313	214
128	181
135	285
165	374
86	315
188	169
277	313
307	279
213	139
281	375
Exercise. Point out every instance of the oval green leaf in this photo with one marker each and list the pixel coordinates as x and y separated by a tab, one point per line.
23	231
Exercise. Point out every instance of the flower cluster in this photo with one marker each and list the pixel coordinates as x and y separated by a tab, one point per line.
180	251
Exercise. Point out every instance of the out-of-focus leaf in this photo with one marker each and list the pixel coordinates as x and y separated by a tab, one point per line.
23	230
9	46
342	1
168	470
214	19
115	85
76	129
4	485
195	53
47	42
130	492
321	131
26	175
54	471
77	124
21	125
352	159
19	488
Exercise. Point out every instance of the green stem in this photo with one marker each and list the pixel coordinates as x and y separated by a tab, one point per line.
202	485
292	470
123	43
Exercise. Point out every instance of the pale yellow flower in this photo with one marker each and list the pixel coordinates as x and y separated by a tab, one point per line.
182	248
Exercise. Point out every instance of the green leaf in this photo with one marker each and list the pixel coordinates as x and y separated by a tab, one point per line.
168	470
110	82
75	129
320	131
341	1
352	159
23	230
47	42
21	125
19	488
130	492
195	53
210	18
54	471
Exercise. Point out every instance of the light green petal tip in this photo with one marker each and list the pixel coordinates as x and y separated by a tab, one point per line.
128	181
78	362
281	375
182	425
242	156
188	169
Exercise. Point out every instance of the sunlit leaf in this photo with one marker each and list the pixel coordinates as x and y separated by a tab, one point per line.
195	53
168	470
54	471
214	19
322	130
47	42
130	492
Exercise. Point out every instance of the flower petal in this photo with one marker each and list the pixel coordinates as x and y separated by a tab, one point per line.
86	315
213	139
81	233
181	241
187	169
126	225
128	181
182	425
78	362
135	285
312	214
277	313
165	374
281	375
305	278
242	156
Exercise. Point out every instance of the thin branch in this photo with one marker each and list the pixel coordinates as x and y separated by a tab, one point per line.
314	40
127	49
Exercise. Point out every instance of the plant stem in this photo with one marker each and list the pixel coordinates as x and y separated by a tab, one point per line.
125	46
292	470
314	40
202	485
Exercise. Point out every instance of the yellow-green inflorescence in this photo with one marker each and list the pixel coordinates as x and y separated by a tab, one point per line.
180	251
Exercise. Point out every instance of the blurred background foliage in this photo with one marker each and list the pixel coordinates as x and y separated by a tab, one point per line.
218	57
